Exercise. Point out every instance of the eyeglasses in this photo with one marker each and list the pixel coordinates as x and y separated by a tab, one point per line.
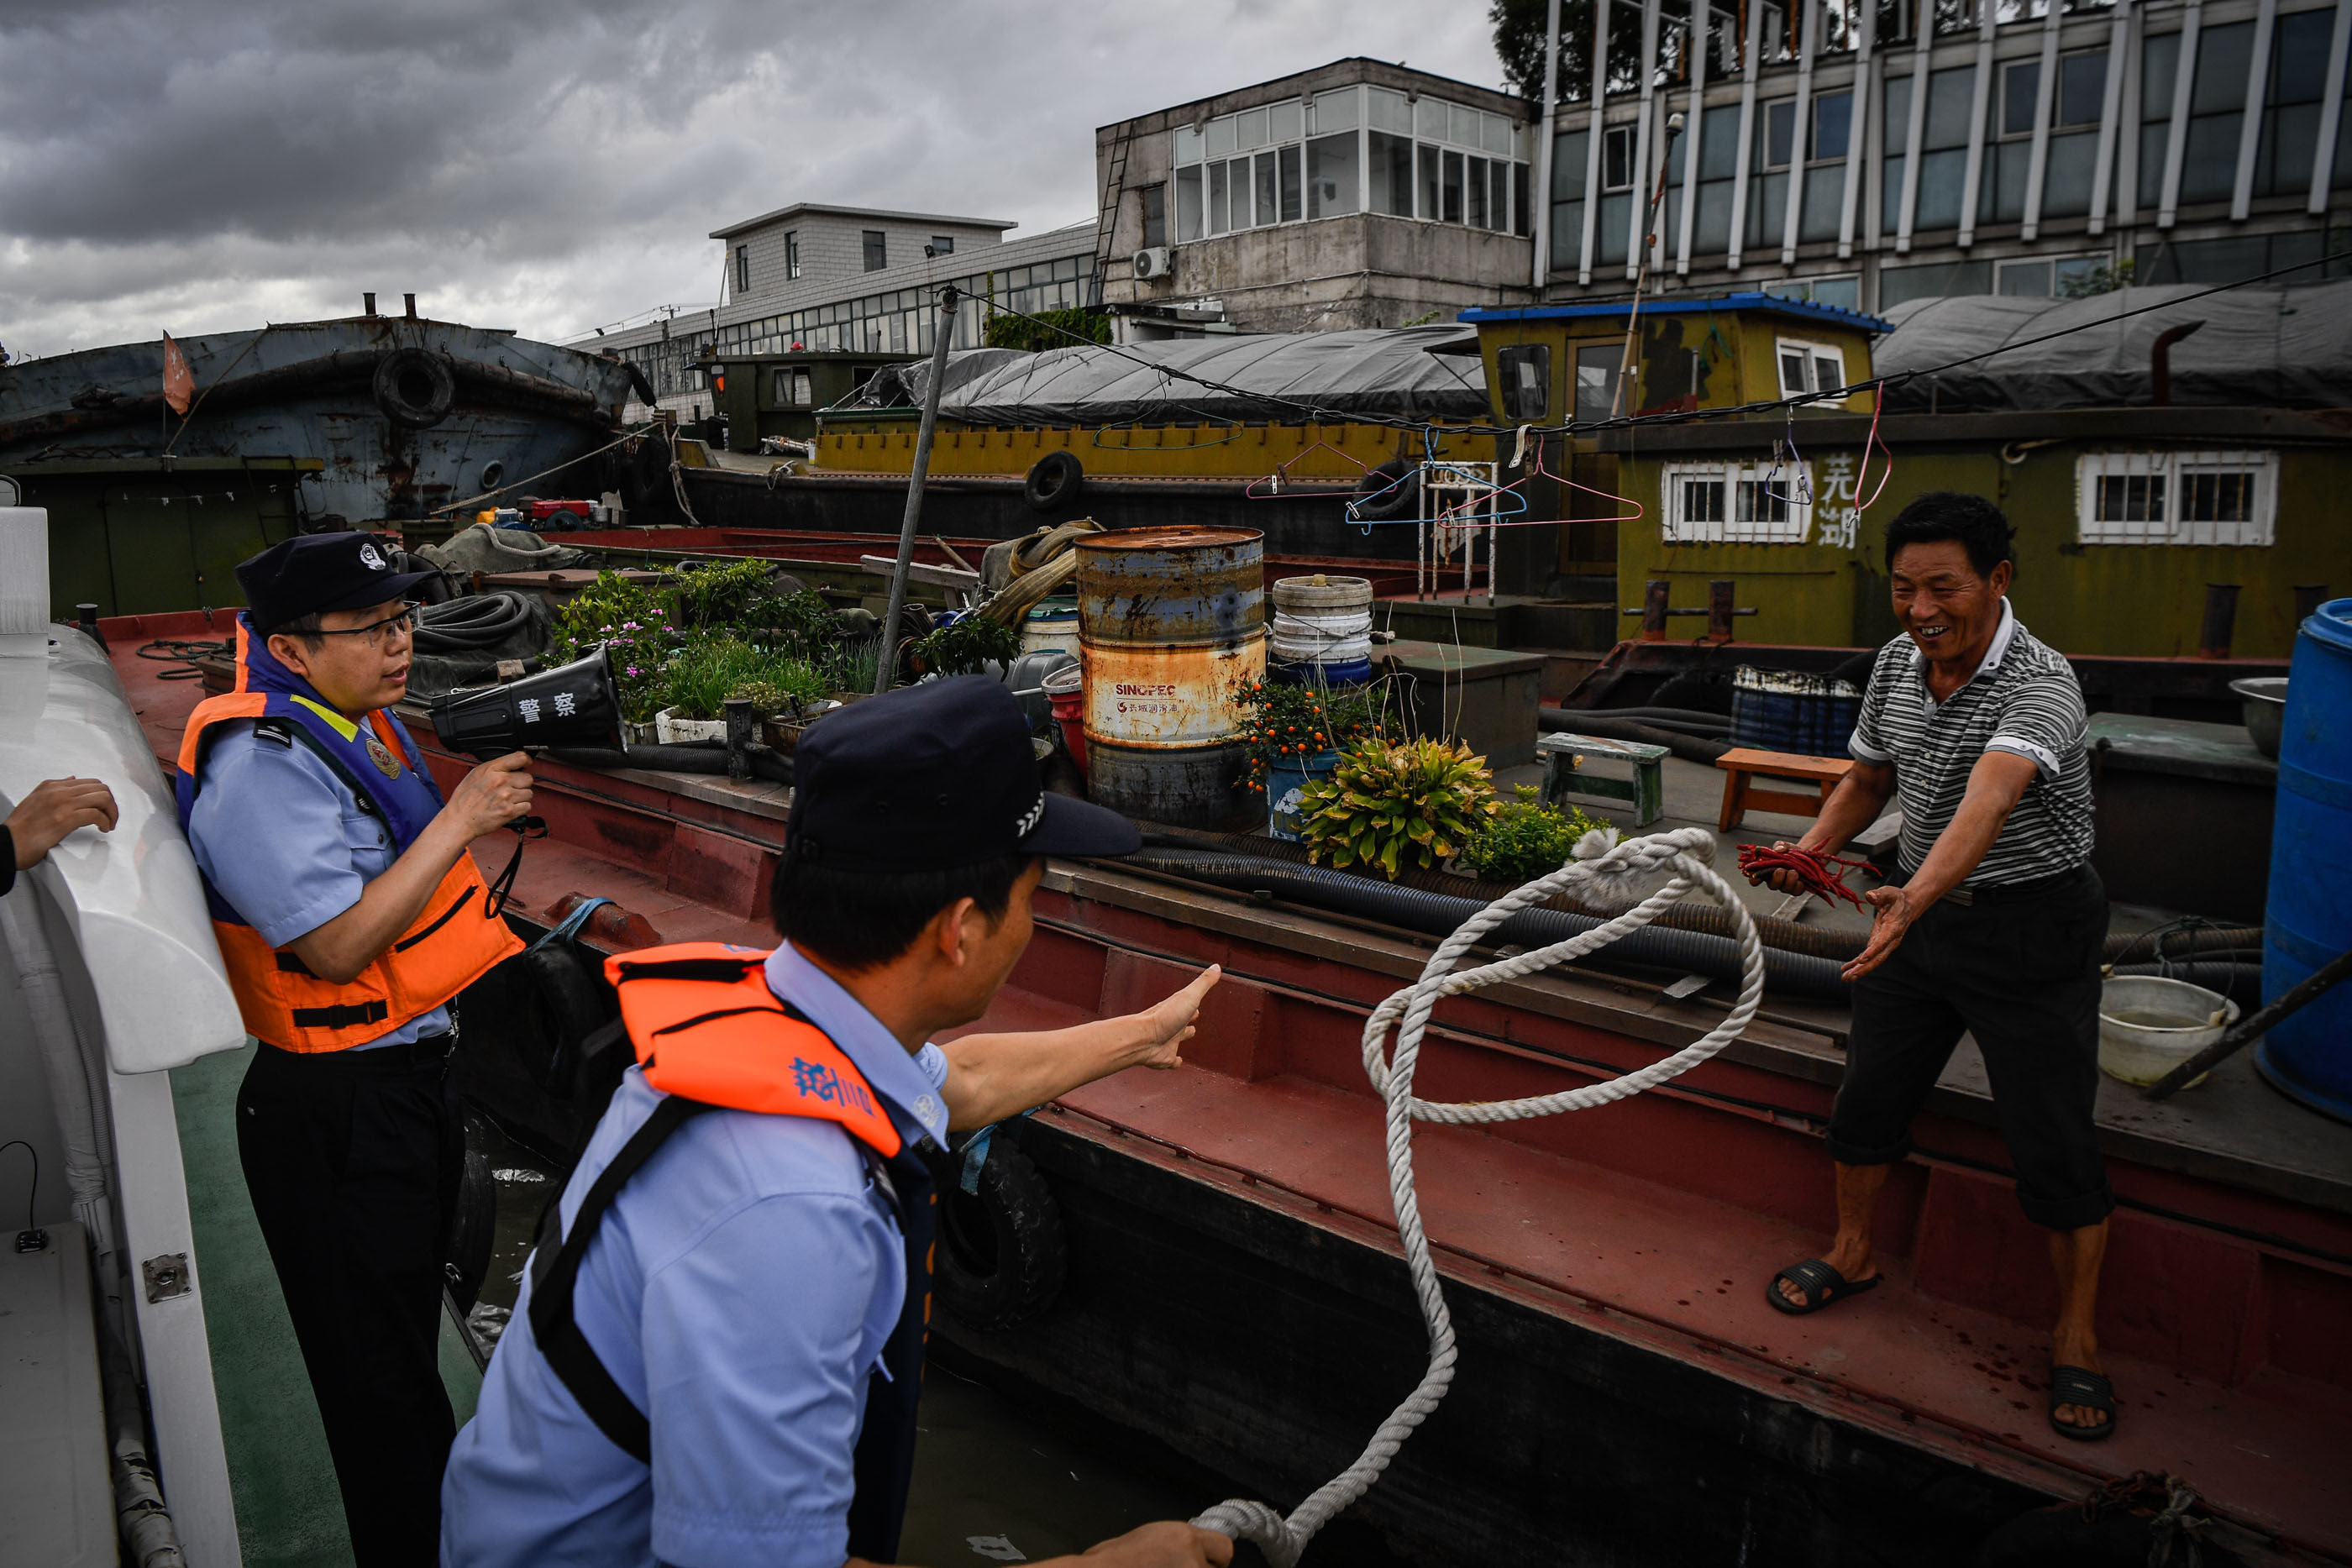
379	633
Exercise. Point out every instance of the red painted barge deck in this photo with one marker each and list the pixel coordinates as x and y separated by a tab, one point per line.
2226	1312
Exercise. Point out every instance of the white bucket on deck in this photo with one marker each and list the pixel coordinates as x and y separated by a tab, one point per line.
1321	620
1051	625
2149	1025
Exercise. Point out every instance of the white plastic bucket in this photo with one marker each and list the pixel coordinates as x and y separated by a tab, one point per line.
1321	620
2149	1025
1050	626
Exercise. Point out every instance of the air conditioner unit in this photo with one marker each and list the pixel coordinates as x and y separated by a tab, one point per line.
1155	261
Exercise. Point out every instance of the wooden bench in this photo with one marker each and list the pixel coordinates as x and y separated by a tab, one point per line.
1564	755
1740	796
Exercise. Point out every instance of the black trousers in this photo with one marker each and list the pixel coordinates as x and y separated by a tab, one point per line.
353	1159
2021	974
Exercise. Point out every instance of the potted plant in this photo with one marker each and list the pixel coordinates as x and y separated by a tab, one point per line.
1524	839
630	621
1294	737
1387	804
708	670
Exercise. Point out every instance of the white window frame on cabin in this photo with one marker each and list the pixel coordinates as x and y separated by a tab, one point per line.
1815	351
2151	499
1745	488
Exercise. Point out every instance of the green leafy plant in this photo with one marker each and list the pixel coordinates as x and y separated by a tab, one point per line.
719	592
1286	722
710	669
963	646
1525	838
1417	800
628	620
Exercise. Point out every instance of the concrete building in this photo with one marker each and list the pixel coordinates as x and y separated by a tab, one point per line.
799	278
1863	155
1355	195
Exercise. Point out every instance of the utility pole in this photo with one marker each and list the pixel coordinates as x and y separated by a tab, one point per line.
888	664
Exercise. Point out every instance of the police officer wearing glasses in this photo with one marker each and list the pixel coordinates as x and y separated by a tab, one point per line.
349	914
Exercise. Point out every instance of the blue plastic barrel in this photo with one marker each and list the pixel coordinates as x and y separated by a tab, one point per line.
1779	710
1351	672
2309	918
1285	778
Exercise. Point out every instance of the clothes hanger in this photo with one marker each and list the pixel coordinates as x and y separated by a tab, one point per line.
1273	482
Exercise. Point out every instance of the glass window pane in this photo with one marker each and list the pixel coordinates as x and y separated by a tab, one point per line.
1431	198
1389	180
1499	195
2019	81
1335	111
1522	214
1464	131
1187	145
1266	201
1388	110
1473	210
1221	136
1596	378
1429	120
1845	293
1780	132
1617	158
1829	371
1792	372
1332	175
1949	103
1249	128
1450	196
2026	280
1832	122
1287	160
1494	134
1217	198
2082	88
1286	123
2222	54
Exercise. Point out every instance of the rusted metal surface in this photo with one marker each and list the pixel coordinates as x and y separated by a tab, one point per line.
1171	623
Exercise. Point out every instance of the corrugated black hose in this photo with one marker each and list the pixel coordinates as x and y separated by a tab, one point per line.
478	621
1437	915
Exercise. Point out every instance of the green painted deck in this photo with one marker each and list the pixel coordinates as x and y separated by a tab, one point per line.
289	1514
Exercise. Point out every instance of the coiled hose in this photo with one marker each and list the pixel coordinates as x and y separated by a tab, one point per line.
2237	978
474	622
1439	914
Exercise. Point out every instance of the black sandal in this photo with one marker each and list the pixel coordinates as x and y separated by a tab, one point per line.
1821	1285
2081	1386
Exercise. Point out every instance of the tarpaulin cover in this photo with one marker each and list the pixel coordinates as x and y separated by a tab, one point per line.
2269	346
1392	374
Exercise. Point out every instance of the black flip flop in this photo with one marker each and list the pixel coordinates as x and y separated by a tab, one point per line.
1821	1284
2081	1386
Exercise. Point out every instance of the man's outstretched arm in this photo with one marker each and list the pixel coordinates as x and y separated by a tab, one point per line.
993	1076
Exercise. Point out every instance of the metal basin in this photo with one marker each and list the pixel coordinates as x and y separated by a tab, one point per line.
2264	698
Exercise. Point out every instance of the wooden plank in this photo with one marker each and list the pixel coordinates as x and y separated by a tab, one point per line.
1784	764
937	576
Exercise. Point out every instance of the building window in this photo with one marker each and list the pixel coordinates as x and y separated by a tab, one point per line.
943	244
1807	367
1842	291
877	250
792	386
1155	216
1298	162
1833	124
1525	371
1735	502
792	253
2176	498
2082	88
1596	381
2038	276
742	270
1617	158
1780	133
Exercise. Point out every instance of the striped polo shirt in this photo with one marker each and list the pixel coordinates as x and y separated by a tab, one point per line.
2023	699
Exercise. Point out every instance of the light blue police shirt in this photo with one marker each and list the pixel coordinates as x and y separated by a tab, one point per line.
740	1292
285	841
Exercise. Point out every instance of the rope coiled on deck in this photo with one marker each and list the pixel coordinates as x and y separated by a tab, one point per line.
1688	852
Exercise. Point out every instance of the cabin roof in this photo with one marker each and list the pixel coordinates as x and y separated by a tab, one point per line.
1753	303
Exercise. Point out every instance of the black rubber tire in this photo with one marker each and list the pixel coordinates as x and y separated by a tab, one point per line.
473	1228
1002	1255
1056	480
563	1002
414	388
1388	491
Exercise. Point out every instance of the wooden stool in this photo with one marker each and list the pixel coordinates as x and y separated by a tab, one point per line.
1562	752
1739	797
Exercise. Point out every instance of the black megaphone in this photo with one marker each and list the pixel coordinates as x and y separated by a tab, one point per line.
577	704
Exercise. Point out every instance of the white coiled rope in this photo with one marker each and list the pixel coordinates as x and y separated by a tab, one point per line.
1688	852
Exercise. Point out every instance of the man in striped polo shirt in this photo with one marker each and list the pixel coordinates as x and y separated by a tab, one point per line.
1994	924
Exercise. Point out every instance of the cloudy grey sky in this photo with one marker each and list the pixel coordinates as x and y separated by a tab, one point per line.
553	165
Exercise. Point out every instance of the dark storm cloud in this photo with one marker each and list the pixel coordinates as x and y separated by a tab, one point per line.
552	164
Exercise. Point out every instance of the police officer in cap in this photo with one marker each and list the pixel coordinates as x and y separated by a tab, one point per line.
349	914
719	1349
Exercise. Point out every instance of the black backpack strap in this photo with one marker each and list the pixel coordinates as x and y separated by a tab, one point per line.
555	1268
883	1461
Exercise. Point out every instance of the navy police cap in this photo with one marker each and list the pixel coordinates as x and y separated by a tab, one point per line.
933	777
312	573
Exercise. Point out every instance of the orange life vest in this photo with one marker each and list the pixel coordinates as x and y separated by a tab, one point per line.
452	943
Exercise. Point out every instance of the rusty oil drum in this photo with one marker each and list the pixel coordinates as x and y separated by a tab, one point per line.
1171	623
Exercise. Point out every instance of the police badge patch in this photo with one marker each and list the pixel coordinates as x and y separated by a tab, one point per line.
381	755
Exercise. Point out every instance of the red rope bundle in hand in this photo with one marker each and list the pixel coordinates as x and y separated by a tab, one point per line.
1810	867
